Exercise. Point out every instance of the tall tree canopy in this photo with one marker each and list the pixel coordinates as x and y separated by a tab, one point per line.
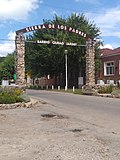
43	59
6	66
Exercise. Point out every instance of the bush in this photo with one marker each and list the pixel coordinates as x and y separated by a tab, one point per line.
106	89
10	95
8	99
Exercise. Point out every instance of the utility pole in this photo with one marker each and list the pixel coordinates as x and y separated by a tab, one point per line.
66	70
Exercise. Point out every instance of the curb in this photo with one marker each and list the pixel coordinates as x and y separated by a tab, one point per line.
109	95
30	104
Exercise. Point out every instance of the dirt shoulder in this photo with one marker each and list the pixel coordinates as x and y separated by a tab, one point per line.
43	133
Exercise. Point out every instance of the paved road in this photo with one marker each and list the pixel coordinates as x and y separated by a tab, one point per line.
98	117
67	127
99	111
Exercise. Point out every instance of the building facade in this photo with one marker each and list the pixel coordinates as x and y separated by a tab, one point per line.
110	66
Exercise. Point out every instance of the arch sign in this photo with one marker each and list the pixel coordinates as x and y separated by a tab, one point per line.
51	26
57	43
20	51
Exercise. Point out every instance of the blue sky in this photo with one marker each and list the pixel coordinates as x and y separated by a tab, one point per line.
17	14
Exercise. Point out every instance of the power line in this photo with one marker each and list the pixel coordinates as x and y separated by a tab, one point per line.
7	40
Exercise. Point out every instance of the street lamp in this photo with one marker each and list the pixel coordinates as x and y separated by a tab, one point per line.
66	70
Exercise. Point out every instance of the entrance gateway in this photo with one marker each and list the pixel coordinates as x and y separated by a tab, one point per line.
20	51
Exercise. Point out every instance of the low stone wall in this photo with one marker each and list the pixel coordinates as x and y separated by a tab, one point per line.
93	90
30	104
109	95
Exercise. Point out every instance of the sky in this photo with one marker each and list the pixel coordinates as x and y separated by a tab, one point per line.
18	14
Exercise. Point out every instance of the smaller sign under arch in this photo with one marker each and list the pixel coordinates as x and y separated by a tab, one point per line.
51	26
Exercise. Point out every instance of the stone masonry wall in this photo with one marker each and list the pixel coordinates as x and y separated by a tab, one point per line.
90	64
20	62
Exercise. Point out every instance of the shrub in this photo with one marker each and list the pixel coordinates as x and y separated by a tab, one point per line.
10	95
8	99
106	89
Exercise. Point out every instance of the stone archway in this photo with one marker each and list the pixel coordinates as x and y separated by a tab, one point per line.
20	52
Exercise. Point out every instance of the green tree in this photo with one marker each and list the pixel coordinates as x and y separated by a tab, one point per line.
43	59
6	65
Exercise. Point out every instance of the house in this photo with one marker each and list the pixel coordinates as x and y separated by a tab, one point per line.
110	66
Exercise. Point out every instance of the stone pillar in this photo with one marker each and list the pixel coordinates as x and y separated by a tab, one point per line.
90	63
20	62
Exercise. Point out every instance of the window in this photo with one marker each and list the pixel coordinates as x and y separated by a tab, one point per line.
108	68
119	66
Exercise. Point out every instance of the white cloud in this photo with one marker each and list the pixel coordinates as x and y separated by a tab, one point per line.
108	21
17	9
11	35
8	46
107	46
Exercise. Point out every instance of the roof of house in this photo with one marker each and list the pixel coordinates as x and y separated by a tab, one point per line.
109	52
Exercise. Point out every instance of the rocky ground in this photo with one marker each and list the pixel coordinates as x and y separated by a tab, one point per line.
43	133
